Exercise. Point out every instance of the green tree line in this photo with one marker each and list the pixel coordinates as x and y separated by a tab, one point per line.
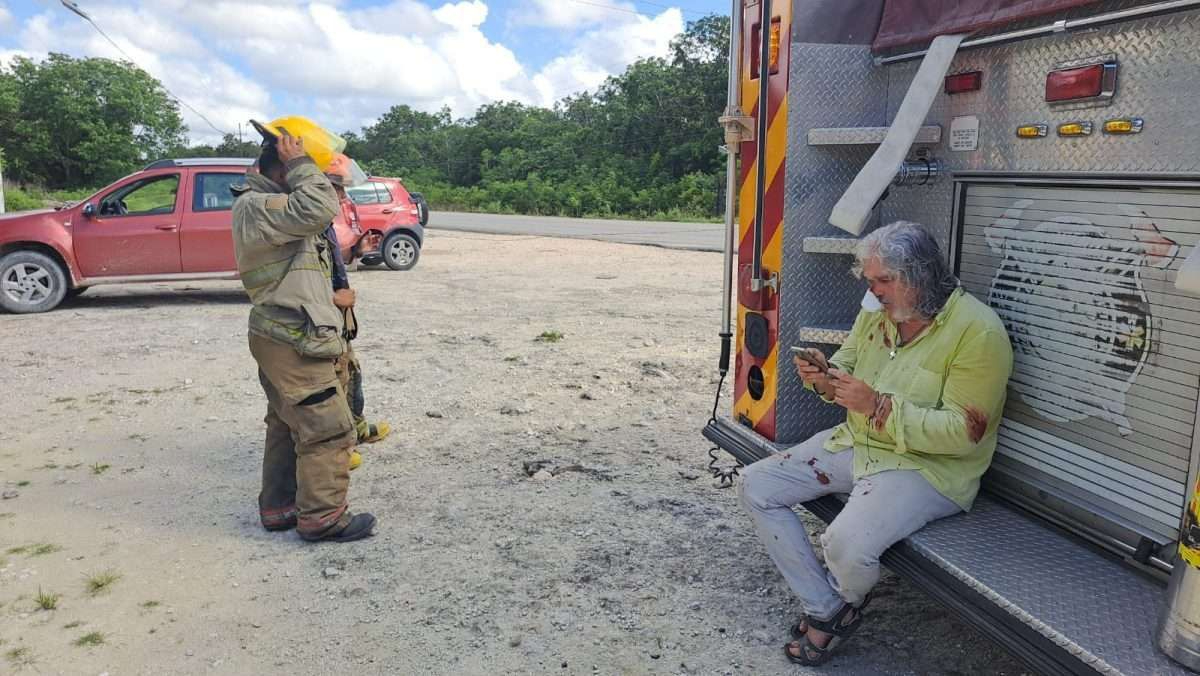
644	144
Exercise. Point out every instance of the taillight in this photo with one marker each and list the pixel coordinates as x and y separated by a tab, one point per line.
964	82
1092	81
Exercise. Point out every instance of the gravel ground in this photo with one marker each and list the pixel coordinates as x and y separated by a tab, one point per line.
132	442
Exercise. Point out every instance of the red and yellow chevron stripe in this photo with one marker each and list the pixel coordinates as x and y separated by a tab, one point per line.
759	411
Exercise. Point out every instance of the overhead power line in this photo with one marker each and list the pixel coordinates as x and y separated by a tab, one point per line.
75	9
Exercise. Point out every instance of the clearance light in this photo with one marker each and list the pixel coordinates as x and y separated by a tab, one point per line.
1075	129
1032	131
1127	125
776	39
964	82
1094	81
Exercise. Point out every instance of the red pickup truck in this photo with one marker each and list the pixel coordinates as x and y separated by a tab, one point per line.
171	222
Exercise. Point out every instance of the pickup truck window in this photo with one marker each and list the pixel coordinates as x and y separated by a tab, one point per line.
155	195
212	191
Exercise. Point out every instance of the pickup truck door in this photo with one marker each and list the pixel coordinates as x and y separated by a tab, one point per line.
133	229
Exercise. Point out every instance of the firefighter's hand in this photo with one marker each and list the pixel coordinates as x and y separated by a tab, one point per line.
344	298
852	394
289	148
811	375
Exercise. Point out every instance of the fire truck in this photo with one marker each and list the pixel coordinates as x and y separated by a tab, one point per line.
1053	146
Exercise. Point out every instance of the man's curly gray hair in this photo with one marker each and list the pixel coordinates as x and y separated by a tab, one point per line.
910	252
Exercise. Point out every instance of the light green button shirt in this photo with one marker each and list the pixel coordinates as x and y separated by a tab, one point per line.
962	359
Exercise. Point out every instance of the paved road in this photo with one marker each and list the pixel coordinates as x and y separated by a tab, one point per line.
691	236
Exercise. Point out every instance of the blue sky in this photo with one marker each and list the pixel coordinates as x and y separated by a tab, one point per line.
345	62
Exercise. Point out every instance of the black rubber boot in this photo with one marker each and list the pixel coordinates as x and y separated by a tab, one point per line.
360	526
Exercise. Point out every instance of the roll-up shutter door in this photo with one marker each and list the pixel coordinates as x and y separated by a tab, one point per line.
1102	403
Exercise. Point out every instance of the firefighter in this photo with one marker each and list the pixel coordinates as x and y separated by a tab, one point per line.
295	333
923	378
343	173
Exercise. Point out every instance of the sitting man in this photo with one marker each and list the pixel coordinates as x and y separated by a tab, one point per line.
923	382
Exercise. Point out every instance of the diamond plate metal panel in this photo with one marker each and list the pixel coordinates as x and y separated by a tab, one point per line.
1011	565
821	336
1157	81
831	86
928	134
830	245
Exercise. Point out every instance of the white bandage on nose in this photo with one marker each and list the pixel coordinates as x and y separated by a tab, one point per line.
870	303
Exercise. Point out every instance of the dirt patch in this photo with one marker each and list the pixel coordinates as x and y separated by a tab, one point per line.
543	504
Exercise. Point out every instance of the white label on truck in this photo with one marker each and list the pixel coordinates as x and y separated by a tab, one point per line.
964	133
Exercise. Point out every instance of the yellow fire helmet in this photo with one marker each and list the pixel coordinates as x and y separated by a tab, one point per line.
345	172
320	144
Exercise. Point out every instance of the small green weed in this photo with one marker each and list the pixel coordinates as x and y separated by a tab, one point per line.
99	468
20	656
43	549
72	625
100	582
46	601
550	337
151	604
94	638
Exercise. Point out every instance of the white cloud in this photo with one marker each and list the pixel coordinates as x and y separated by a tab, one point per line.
574	15
606	51
237	59
6	18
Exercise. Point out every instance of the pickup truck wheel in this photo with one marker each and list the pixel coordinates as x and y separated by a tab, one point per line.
31	282
400	251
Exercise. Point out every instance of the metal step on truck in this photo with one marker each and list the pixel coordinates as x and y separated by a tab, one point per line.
1054	148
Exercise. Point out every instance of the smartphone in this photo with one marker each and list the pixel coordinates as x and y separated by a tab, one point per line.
804	354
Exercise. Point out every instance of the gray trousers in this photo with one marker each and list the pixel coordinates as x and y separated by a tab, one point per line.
883	509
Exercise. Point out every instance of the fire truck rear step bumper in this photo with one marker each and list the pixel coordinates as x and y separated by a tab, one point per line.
1053	600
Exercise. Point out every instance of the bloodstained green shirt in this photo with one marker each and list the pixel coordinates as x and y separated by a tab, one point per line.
963	359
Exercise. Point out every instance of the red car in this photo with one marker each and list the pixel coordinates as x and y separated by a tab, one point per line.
393	221
169	222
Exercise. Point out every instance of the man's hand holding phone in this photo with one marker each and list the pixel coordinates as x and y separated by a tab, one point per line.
813	369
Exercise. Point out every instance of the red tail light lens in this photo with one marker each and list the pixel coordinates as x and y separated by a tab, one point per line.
1076	83
964	82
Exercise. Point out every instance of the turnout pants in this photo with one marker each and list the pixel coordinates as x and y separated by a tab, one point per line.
310	432
354	389
883	509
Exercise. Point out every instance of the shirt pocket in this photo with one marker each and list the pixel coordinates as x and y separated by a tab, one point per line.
924	388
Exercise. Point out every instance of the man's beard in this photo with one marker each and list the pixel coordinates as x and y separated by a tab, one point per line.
900	314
